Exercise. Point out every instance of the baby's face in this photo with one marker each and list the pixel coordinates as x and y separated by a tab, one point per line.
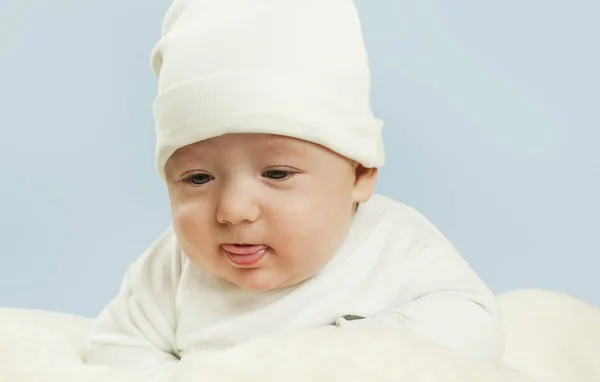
292	200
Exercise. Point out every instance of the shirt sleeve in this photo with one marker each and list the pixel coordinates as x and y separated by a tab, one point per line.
444	301
137	328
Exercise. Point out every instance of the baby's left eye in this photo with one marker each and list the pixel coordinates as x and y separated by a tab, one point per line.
277	174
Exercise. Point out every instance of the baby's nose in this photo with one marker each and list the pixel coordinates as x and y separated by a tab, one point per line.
236	208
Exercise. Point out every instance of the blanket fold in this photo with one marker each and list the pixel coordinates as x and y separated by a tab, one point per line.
550	337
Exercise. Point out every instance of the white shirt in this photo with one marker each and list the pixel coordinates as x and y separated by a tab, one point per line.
394	268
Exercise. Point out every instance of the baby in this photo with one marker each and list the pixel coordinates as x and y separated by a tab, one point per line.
269	150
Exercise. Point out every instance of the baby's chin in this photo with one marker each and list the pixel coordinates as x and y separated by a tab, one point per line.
266	276
263	280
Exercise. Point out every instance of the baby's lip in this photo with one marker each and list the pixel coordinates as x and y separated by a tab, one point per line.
243	249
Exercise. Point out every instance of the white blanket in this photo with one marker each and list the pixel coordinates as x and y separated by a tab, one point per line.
550	337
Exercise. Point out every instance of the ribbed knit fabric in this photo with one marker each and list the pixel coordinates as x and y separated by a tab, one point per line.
289	67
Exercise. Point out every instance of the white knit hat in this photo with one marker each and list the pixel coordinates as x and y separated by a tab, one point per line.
297	68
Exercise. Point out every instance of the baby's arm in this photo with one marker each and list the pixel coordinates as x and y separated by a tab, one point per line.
446	302
137	328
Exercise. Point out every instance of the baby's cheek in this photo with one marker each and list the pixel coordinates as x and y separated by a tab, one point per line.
314	243
190	224
182	220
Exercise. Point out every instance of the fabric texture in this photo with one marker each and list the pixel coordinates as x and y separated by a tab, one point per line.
394	268
551	337
297	68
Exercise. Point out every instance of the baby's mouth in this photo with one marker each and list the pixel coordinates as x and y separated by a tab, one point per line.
243	249
245	255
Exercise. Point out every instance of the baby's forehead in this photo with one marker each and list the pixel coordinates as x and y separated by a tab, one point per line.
265	144
249	141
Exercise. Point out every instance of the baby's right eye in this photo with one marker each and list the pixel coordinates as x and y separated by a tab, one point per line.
198	179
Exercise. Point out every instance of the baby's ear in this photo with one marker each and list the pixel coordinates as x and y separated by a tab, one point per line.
364	183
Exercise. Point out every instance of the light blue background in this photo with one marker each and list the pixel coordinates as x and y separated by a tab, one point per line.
493	128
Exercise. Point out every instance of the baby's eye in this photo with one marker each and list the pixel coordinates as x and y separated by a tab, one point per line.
277	174
198	179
